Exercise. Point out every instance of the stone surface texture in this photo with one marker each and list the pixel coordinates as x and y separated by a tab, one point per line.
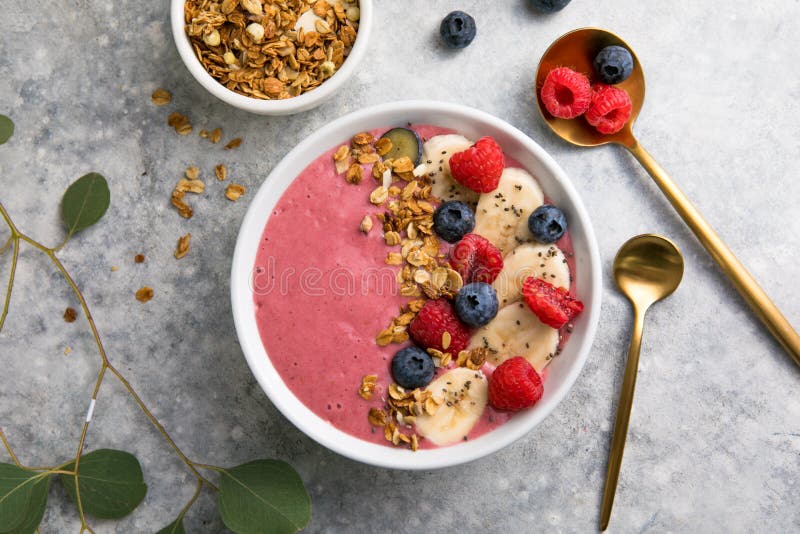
714	444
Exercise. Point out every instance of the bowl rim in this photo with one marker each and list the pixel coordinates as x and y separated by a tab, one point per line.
250	340
287	106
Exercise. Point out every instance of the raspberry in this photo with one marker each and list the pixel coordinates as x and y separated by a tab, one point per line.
434	319
515	385
610	109
476	259
479	167
552	305
566	93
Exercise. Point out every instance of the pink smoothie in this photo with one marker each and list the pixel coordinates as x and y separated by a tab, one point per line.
322	292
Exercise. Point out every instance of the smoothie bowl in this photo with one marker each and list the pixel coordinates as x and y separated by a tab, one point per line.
406	319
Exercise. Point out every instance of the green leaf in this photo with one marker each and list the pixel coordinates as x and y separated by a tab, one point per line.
23	497
110	482
263	496
176	527
6	129
85	202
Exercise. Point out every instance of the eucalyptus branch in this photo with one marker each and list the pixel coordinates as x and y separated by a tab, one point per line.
192	500
7	243
7	302
83	204
9	449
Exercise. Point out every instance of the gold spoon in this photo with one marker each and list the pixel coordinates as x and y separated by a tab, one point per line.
577	49
647	269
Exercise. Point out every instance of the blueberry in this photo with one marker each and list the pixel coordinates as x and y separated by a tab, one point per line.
453	220
547	223
412	368
549	6
613	64
405	142
476	304
457	29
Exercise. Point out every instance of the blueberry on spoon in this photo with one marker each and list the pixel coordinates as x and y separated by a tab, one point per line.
613	64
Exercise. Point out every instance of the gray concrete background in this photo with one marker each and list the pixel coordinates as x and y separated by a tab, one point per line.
715	432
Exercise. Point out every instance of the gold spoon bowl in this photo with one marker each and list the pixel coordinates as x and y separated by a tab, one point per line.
577	49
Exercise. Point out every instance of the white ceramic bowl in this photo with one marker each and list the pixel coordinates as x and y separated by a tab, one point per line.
472	123
287	106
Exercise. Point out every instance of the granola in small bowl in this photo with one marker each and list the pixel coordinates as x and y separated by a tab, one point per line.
264	54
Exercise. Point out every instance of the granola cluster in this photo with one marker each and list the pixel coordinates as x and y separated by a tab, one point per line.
271	49
407	224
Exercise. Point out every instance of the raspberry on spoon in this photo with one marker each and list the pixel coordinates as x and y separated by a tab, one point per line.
610	109
566	94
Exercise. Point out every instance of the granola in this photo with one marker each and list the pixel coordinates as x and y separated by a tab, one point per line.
161	97
271	50
234	191
144	294
183	246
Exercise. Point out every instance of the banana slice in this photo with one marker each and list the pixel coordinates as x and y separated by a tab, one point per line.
463	394
437	150
516	331
502	215
531	259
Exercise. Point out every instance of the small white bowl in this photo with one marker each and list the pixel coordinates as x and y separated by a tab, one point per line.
562	372
288	106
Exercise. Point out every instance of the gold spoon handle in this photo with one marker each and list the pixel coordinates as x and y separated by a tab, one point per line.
623	416
744	283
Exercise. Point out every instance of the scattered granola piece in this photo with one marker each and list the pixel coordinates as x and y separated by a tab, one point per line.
383	146
144	294
363	138
343	152
377	417
221	172
233	143
234	191
139	258
183	246
379	195
70	315
366	224
354	174
190	186
215	135
368	385
391	238
446	339
192	173
184	210
394	258
161	97
114	268
67	350
180	122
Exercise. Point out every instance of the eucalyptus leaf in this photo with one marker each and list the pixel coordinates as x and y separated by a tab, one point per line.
176	527
263	496
85	202
110	482
23	497
6	129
